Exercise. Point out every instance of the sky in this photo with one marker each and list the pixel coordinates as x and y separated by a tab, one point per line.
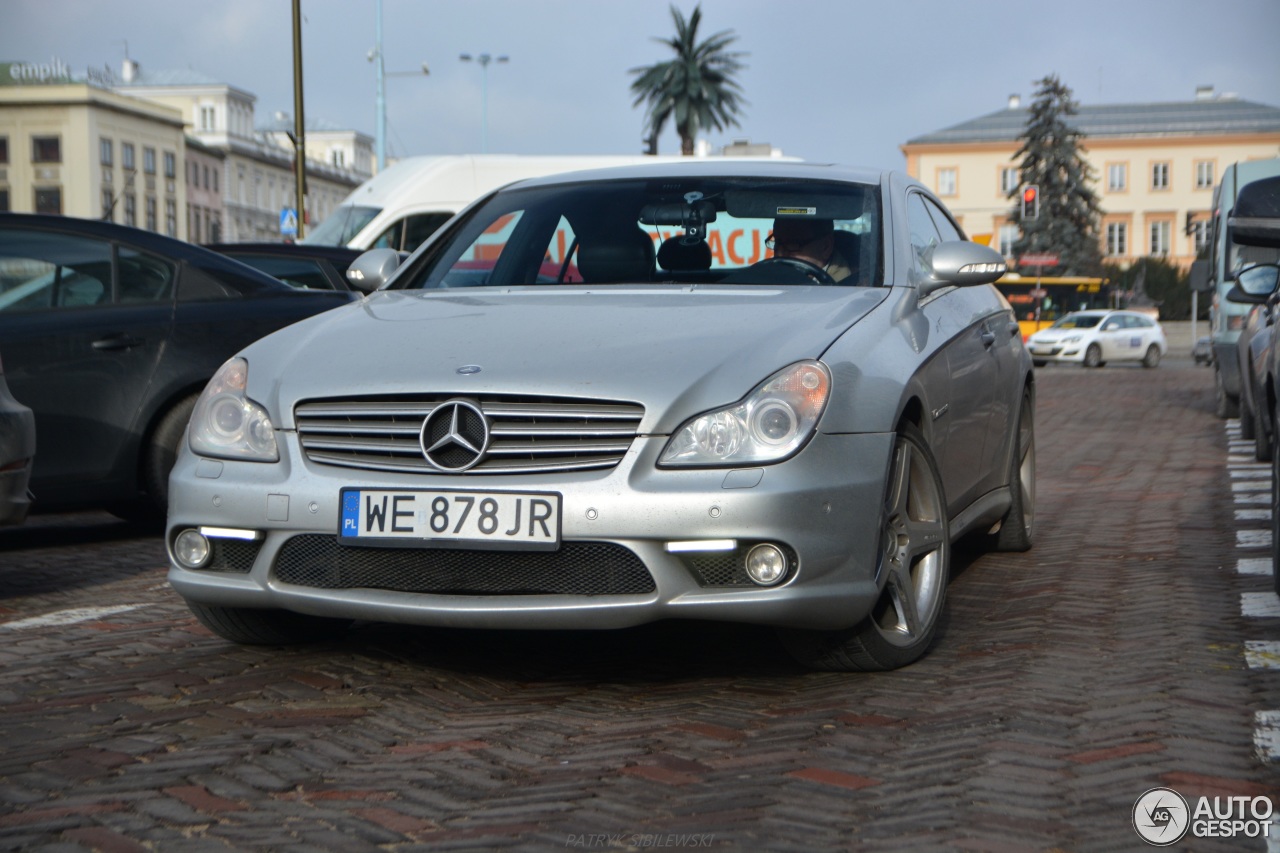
844	81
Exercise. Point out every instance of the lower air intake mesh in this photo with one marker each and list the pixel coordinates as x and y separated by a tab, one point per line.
578	568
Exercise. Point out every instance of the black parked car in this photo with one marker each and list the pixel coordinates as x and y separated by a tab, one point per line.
109	334
299	265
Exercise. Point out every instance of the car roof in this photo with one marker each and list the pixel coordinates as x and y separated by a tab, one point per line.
148	240
720	167
288	250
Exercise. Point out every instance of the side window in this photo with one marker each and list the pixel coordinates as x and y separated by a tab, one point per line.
41	270
295	272
945	226
475	266
924	234
391	238
142	277
198	285
419	227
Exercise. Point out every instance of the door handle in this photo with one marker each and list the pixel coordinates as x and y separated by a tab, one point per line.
117	342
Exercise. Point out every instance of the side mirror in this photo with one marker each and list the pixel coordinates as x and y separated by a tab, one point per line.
961	263
373	269
1255	285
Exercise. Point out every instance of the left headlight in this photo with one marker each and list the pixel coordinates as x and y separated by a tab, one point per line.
767	425
227	424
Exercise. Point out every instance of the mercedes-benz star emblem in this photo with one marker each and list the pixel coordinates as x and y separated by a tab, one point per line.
455	436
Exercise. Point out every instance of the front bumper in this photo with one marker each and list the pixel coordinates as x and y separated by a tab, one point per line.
824	506
1057	352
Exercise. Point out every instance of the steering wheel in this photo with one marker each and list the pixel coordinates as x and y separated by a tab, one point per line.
813	272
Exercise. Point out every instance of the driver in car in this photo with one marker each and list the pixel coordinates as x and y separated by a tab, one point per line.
811	241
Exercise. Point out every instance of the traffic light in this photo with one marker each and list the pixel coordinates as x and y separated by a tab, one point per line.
1030	201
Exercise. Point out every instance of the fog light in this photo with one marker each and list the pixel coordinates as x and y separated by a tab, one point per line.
766	564
191	549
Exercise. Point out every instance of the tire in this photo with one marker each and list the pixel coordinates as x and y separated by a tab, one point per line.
1226	406
1152	358
252	627
1262	437
1248	424
1018	527
916	560
162	451
1093	356
1038	363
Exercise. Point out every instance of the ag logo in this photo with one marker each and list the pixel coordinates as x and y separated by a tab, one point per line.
1161	817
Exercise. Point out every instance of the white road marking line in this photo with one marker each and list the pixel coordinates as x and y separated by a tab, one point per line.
1260	605
1254	566
1250	473
1253	538
1253	498
1251	486
67	617
1262	654
1253	515
1266	735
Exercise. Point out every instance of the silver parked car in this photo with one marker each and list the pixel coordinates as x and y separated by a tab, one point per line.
754	392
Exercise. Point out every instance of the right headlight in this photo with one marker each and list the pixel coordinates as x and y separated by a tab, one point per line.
227	424
767	425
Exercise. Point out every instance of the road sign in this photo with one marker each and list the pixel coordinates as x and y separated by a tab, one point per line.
288	222
1045	260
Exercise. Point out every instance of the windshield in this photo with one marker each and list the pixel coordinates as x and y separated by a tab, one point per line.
342	225
1078	321
673	229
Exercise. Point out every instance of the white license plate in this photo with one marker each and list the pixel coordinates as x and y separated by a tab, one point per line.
461	519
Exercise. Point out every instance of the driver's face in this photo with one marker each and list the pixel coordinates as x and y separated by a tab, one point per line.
801	241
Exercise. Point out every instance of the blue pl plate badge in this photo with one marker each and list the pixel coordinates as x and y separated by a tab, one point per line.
351	513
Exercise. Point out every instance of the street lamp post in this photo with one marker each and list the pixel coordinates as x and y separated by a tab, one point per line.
380	103
484	59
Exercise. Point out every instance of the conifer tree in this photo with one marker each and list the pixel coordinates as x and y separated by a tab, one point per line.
1052	159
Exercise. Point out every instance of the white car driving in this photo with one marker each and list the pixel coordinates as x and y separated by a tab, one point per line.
1092	338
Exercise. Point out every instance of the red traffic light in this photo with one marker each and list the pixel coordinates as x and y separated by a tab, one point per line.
1030	202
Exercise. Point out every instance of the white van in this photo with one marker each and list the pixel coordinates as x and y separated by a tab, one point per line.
403	205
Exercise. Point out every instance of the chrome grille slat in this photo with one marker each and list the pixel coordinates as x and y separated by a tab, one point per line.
529	435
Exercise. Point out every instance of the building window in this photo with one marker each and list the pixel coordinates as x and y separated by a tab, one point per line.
151	213
206	177
170	165
1200	234
339	157
1008	236
149	160
206	118
4	201
126	156
1117	238
1160	238
1117	177
215	180
195	225
1008	180
171	217
131	210
108	205
4	149
47	149
1204	174
1159	176
49	200
106	151
946	182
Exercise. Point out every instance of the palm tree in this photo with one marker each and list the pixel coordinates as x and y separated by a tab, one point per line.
696	88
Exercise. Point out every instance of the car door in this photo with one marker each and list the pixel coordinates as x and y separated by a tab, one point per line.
83	324
961	421
1113	338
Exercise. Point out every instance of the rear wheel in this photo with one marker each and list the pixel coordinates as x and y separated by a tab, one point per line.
1152	358
253	627
1226	406
1017	528
1093	356
916	557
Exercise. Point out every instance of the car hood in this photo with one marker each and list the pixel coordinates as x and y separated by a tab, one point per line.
676	350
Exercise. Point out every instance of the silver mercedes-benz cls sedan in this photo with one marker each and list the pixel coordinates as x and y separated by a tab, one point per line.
769	393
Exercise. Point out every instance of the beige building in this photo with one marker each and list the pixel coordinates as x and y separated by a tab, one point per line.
1155	167
79	150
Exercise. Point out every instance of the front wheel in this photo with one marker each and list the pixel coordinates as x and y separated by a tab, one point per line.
1093	356
1152	358
915	543
162	451
253	627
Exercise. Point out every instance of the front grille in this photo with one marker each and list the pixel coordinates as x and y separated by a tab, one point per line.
727	568
530	434
232	556
578	568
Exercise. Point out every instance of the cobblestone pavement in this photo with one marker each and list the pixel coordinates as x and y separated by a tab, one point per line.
1065	683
